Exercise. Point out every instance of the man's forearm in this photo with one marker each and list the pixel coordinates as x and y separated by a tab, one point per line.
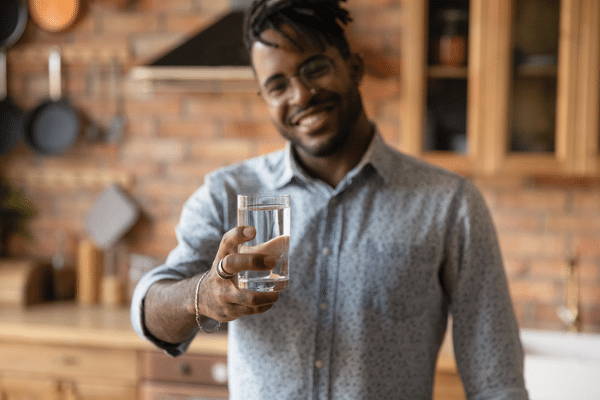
169	310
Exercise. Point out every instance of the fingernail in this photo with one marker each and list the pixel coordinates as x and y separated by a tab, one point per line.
248	231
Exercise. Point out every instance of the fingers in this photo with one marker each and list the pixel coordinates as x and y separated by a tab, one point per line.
239	310
225	302
255	299
233	238
234	263
276	246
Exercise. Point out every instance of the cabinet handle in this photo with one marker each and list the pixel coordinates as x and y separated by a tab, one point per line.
219	372
69	361
185	369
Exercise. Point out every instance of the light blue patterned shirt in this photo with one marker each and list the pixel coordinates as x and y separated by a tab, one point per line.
376	265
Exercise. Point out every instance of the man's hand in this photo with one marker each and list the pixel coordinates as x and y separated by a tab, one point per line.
220	299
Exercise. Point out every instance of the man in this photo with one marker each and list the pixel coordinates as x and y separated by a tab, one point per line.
382	245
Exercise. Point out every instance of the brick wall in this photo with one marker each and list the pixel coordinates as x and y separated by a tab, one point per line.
540	226
173	139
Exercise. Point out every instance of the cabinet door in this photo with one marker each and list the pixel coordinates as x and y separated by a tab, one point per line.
98	391
180	391
20	388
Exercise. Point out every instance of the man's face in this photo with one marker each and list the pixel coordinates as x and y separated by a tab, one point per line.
316	117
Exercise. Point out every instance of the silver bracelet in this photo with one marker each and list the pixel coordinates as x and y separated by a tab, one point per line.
200	324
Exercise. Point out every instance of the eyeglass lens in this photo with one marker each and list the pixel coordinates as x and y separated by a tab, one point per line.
280	89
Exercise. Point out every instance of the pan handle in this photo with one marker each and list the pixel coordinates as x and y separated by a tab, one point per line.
55	77
3	80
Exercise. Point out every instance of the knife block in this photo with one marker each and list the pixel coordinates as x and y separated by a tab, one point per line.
24	282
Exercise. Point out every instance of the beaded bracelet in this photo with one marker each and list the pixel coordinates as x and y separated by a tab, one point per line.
201	325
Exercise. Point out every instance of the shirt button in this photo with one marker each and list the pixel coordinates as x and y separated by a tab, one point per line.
319	364
326	251
323	306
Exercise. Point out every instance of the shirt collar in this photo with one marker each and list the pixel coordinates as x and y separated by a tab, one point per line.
377	155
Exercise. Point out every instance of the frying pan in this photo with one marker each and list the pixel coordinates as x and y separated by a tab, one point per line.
11	116
53	126
54	15
13	18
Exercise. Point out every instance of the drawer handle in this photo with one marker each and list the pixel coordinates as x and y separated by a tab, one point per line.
219	372
69	360
185	369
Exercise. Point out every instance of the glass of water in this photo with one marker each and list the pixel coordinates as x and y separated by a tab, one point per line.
270	216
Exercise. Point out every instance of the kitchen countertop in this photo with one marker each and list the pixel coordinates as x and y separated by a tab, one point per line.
95	326
65	323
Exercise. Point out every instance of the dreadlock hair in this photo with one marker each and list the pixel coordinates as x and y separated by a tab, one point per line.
322	21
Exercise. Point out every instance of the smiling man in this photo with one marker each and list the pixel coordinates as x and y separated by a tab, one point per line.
383	246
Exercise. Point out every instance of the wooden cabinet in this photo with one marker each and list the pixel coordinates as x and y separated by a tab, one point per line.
181	391
29	388
98	390
65	352
182	378
528	106
31	371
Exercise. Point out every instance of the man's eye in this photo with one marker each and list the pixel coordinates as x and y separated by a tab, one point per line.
277	87
316	70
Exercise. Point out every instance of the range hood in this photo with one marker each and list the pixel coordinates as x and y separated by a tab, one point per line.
212	59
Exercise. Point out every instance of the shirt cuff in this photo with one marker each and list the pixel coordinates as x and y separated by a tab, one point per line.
137	315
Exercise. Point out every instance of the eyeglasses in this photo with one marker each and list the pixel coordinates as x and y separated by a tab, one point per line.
312	73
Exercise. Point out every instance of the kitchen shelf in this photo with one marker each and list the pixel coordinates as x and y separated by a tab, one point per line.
193	79
537	71
447	72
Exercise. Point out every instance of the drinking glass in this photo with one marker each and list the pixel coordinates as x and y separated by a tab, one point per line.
270	216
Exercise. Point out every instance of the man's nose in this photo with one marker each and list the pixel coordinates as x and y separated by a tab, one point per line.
301	92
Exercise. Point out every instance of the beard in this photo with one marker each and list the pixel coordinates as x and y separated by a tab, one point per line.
348	114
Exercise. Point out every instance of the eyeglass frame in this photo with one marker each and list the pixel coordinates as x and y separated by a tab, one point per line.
303	80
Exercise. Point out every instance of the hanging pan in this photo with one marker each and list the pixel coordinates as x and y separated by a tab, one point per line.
54	15
11	116
13	18
53	126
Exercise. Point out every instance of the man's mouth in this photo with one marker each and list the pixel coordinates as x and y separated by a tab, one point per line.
312	116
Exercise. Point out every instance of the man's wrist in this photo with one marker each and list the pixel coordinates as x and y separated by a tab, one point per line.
204	323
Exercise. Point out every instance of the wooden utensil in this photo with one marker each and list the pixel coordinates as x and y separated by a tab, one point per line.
89	273
54	15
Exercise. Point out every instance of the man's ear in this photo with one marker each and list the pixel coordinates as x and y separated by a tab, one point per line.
357	68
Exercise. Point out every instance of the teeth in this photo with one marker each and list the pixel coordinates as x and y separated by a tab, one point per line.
312	119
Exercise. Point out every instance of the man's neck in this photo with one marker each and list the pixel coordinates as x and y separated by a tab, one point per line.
332	169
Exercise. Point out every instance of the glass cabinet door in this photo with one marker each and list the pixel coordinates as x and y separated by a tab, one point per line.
446	101
533	92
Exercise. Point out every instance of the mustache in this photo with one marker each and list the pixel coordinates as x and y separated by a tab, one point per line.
317	100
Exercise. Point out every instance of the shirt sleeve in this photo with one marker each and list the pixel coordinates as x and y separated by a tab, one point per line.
199	233
485	333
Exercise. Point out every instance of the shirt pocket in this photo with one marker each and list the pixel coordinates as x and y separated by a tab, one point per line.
400	279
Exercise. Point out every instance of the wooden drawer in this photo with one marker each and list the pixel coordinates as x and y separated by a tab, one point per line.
181	391
69	362
28	388
200	369
448	386
84	390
